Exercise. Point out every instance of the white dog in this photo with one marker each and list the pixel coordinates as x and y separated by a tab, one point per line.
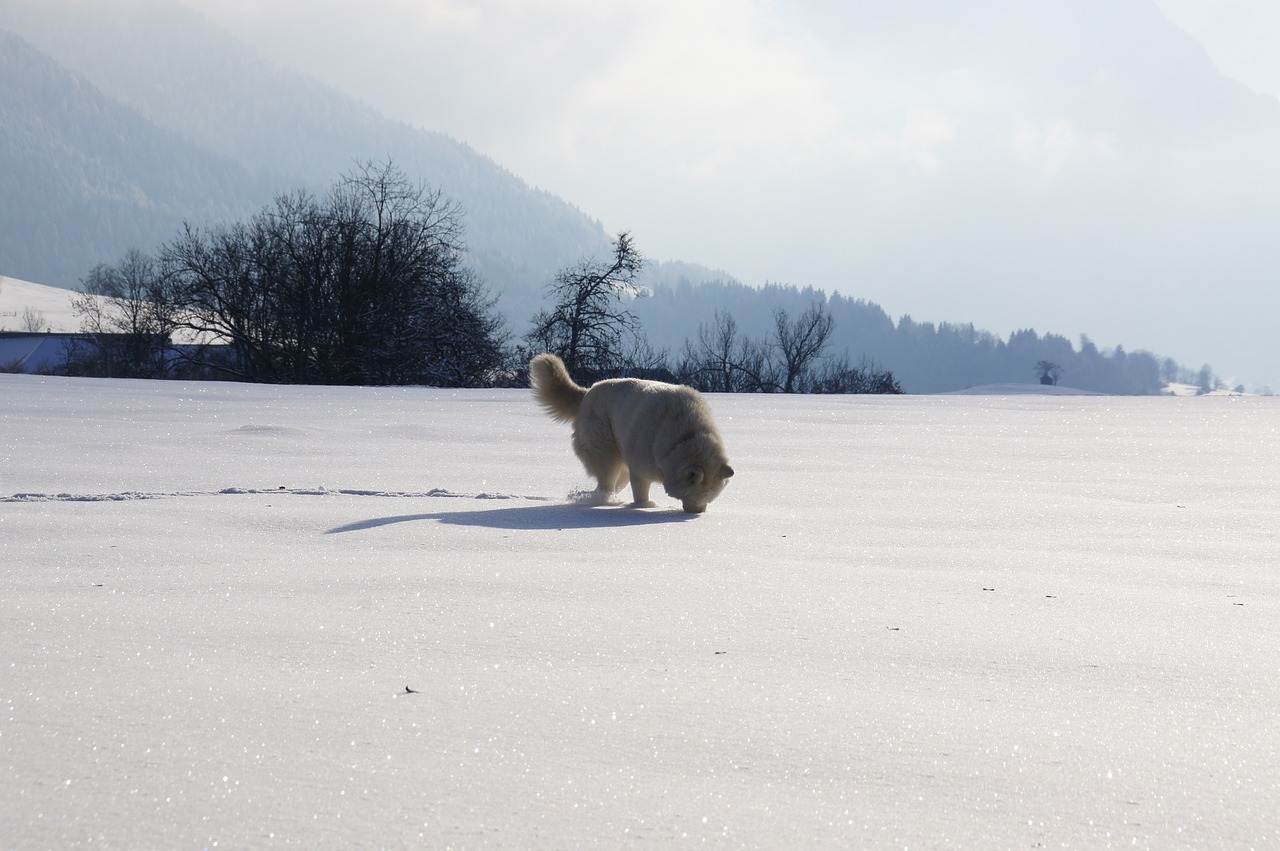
646	431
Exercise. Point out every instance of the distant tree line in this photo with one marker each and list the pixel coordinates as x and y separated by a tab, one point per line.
593	330
924	357
369	284
366	285
792	358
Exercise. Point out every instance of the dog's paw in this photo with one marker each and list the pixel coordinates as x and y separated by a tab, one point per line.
591	497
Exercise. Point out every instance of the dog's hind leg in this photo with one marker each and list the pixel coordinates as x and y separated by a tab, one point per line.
640	493
604	464
609	481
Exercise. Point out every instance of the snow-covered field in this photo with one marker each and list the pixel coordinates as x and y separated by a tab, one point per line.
916	622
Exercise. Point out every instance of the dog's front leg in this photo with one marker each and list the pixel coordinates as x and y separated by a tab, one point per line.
640	492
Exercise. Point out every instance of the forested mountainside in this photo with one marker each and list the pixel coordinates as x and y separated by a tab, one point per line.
85	177
925	357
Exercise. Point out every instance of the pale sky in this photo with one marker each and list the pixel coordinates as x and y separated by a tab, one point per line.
1240	35
1066	165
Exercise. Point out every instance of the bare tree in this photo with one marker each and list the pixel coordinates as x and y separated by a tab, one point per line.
33	320
722	360
837	376
224	281
589	324
798	345
792	360
366	285
126	311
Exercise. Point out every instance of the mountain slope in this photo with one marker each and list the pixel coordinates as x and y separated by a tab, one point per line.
93	176
254	130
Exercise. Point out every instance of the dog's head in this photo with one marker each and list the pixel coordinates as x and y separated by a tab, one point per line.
697	484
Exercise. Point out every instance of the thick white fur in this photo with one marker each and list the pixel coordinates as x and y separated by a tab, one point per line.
626	429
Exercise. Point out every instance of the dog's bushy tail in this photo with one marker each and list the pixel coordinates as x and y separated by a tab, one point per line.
554	389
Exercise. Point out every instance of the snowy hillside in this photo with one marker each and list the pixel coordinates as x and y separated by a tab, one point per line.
52	306
251	616
1020	390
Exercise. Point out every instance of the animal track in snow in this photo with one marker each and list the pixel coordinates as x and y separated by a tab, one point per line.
127	496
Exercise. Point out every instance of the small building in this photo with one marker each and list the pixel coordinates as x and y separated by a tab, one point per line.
34	352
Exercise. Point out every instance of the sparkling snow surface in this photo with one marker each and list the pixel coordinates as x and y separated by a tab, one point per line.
966	621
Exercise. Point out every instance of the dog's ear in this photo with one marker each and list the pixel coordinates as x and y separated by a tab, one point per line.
694	475
727	472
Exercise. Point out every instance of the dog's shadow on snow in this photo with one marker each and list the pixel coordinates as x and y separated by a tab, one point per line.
532	517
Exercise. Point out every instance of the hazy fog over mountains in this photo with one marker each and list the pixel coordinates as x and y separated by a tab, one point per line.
1072	165
141	115
1076	166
